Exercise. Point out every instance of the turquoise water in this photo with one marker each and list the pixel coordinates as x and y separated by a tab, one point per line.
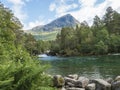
89	66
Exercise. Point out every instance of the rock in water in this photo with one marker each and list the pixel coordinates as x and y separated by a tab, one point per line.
117	78
109	80
73	76
58	81
62	88
70	82
116	85
91	86
73	88
83	81
102	84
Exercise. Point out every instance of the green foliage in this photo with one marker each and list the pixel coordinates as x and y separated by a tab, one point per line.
101	48
102	37
114	44
18	70
112	21
27	75
34	46
42	46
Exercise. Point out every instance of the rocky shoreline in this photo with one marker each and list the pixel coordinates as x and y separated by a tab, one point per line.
75	82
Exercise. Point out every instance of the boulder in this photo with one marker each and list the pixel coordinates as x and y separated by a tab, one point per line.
116	85
73	76
82	82
70	82
67	79
63	88
90	86
102	84
74	88
109	80
117	78
58	81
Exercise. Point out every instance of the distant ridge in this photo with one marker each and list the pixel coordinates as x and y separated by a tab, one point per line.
65	21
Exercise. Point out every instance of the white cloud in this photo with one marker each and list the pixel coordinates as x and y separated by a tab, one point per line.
40	21
61	6
52	7
16	2
17	7
87	3
65	8
115	4
81	10
19	13
88	9
34	24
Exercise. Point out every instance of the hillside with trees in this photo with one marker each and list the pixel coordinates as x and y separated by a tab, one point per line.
103	37
49	31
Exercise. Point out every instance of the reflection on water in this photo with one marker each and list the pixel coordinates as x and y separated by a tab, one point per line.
92	67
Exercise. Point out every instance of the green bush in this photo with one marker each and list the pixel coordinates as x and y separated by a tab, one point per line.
23	74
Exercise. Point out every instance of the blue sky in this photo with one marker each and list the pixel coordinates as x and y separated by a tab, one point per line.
39	12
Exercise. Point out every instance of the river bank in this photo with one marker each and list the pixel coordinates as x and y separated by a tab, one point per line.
76	82
74	55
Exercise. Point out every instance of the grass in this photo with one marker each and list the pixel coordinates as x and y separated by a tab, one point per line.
46	35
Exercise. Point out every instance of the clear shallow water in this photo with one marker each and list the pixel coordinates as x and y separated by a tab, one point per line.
89	66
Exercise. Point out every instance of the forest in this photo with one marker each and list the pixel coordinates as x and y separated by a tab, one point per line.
102	38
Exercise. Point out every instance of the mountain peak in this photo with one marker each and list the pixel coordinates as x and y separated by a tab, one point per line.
64	21
68	15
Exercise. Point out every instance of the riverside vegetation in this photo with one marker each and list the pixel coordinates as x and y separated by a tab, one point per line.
18	70
101	38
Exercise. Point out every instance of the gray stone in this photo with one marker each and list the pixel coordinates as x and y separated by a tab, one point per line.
116	85
73	76
83	81
78	84
63	88
67	79
90	86
74	88
58	81
109	80
102	84
117	78
70	84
